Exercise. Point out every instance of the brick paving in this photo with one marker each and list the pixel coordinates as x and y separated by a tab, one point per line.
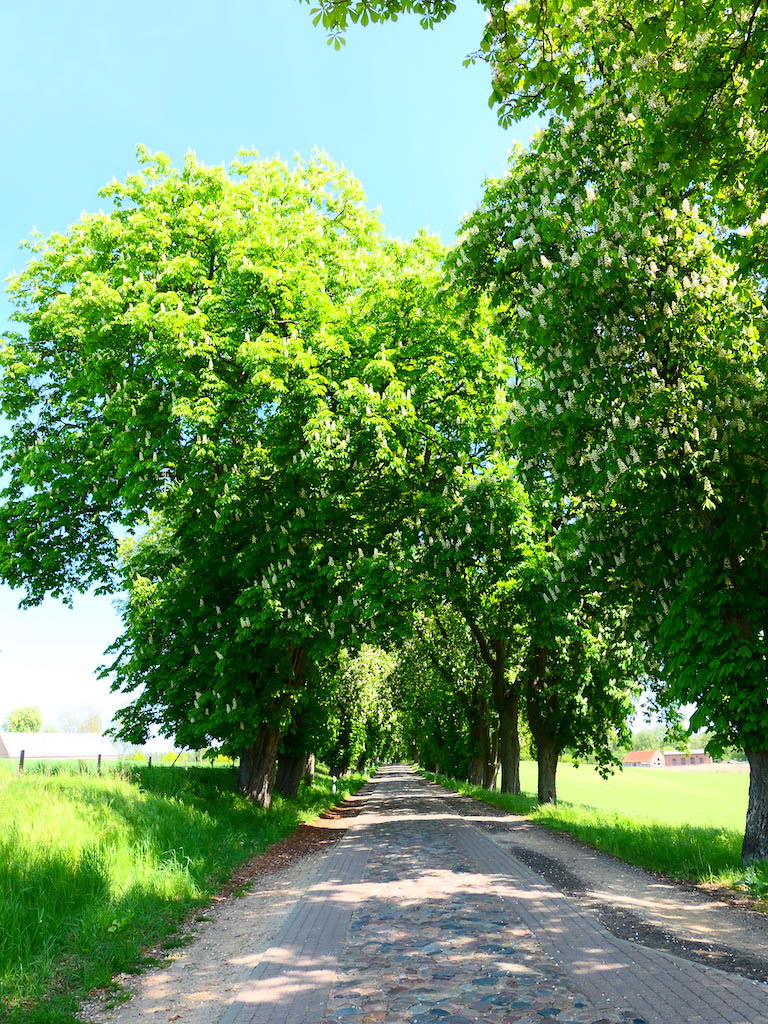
419	917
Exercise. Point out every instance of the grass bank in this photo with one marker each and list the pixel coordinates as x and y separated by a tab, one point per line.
681	839
95	869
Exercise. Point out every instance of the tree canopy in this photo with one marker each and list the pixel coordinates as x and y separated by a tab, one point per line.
247	377
648	398
29	719
694	75
625	254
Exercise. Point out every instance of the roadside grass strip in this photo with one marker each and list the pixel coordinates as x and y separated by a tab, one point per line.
703	853
94	870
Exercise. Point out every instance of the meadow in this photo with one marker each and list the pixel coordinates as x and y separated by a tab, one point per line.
95	869
717	799
685	825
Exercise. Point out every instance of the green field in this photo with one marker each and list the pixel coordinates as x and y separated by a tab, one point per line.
718	799
93	870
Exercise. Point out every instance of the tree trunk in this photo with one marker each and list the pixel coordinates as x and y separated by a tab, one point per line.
475	766
755	846
491	752
309	769
547	754
491	775
478	737
509	743
290	772
257	766
541	705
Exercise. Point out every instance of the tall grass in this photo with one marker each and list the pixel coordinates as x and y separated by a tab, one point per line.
706	853
93	870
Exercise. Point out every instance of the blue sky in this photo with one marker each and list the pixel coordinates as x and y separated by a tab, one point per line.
83	83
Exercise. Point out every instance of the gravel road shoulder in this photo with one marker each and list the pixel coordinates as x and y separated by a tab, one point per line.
640	906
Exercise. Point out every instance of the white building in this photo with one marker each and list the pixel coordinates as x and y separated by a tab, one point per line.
56	746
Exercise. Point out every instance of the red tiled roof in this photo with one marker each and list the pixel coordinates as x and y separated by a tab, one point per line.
640	756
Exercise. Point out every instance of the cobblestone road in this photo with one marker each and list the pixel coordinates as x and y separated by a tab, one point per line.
419	917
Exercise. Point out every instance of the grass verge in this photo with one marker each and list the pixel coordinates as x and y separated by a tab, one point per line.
94	870
691	853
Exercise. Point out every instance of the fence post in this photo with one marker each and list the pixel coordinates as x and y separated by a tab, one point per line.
98	765
21	762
